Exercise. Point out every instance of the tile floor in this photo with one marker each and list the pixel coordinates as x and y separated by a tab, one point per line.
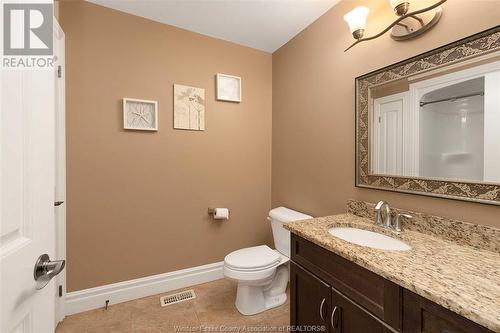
212	311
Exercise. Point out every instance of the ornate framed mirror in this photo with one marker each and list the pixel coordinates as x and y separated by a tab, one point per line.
430	124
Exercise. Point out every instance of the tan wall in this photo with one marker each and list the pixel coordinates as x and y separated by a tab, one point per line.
137	202
313	108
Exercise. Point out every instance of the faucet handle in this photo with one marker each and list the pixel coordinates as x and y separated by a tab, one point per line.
397	224
378	217
379	204
387	223
378	212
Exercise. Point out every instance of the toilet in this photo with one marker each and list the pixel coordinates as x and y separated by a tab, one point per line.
261	272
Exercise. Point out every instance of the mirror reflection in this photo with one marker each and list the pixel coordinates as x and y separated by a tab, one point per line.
441	125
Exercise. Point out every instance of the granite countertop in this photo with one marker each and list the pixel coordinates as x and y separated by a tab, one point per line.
461	278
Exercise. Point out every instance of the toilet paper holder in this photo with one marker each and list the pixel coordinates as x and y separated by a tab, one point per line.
213	211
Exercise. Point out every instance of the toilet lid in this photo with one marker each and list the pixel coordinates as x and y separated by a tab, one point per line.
260	256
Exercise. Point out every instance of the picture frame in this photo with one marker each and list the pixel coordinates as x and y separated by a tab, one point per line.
140	114
189	108
228	88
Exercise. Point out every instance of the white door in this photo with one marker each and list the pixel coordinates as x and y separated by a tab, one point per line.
27	226
388	135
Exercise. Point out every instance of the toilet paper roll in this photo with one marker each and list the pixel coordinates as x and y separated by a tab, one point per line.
221	214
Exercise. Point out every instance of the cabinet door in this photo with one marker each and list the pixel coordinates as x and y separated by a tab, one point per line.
348	317
422	315
310	301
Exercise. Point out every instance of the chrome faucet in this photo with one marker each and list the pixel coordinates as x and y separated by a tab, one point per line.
397	224
387	223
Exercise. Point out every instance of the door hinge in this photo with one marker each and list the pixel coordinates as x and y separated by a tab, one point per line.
60	290
379	119
59	71
58	203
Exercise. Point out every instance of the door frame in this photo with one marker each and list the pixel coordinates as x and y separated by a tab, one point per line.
60	168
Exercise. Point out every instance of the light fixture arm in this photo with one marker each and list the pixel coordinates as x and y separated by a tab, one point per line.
401	18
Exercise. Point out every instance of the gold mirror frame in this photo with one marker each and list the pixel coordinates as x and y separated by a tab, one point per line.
474	46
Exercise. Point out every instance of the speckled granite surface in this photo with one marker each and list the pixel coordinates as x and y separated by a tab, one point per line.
461	278
463	233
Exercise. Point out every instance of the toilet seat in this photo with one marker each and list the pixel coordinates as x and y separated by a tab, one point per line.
256	263
254	258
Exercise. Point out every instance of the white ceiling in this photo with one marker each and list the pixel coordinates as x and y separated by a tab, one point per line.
262	24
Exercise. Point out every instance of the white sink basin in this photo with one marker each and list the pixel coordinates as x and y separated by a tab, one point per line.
369	239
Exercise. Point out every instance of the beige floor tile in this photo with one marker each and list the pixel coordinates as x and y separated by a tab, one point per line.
216	297
213	311
151	304
70	325
216	309
167	319
116	327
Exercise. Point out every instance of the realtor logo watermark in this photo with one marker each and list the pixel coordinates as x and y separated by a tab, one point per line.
28	36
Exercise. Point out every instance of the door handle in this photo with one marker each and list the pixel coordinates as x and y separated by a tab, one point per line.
321	309
333	321
45	269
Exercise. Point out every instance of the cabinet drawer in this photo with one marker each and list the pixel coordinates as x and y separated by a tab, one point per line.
376	294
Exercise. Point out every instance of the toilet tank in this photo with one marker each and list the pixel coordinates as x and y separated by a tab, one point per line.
279	216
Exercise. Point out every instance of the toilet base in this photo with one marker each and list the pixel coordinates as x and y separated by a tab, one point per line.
253	298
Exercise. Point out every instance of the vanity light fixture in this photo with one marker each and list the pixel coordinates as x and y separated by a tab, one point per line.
406	26
356	19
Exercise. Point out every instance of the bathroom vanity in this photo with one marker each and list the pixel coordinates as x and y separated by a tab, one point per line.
439	285
421	128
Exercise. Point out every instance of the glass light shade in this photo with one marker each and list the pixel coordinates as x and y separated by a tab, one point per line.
395	3
356	18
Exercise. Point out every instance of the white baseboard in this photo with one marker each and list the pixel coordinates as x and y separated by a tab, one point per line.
93	298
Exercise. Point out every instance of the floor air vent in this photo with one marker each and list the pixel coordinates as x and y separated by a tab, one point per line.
177	298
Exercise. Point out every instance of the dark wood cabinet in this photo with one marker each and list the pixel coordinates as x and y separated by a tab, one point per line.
422	315
337	296
374	293
316	306
310	301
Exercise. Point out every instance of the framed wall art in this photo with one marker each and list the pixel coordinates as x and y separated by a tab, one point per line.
228	88
189	108
139	114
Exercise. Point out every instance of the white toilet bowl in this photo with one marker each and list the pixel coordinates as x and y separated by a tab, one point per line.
262	273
